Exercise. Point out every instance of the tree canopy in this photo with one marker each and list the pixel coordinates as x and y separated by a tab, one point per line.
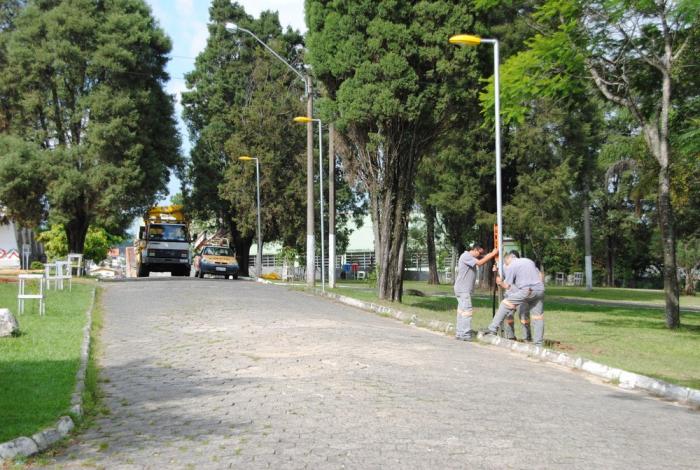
394	85
634	53
242	101
83	88
239	103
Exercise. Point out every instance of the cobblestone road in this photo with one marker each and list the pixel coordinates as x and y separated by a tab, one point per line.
233	374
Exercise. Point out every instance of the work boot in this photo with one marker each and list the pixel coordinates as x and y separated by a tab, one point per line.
486	332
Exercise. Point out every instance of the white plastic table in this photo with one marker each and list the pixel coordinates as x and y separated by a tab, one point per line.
22	295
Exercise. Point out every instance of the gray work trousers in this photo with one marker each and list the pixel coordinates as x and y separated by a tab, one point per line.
464	315
524	316
532	302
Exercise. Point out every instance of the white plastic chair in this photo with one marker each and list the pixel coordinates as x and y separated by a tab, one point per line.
64	272
22	295
560	279
75	260
48	269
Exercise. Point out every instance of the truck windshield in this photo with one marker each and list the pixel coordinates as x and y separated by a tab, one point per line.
167	233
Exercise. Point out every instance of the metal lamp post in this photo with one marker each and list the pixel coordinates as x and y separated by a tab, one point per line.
310	240
471	40
258	256
331	207
305	119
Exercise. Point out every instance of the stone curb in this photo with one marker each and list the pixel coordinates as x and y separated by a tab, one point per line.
42	440
624	379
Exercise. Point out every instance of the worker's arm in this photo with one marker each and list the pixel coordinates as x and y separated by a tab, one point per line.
502	283
487	258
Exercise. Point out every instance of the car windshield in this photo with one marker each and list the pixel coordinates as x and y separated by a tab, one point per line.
217	251
167	233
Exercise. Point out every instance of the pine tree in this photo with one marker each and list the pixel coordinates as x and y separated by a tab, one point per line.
395	85
84	82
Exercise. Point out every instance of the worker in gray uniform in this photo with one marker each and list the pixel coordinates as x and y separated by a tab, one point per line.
523	312
523	285
464	286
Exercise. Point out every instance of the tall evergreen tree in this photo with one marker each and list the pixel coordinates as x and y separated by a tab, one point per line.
242	102
85	82
395	85
9	9
457	176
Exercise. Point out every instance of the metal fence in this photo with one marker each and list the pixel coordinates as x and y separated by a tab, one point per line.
363	259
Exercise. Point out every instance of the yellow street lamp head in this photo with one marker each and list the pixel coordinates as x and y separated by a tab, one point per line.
468	39
245	158
303	119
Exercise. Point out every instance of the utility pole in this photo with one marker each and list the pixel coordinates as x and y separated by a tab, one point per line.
587	242
310	239
331	207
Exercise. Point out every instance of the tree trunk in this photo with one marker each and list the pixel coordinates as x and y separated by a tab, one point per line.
241	246
242	249
689	282
665	208
76	231
390	209
609	262
429	212
668	241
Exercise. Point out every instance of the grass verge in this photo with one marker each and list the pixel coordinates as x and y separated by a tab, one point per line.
38	367
92	394
611	294
631	339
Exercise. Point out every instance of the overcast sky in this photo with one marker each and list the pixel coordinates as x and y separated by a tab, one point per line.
185	21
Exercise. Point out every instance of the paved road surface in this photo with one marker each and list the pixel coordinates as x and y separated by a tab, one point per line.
233	374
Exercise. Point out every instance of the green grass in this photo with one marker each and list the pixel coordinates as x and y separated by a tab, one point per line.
631	339
655	297
37	368
612	294
92	395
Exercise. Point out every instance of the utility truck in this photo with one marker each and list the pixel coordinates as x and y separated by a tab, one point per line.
164	242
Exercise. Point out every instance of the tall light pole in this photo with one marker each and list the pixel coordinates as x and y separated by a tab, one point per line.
310	240
471	40
258	256
331	207
305	119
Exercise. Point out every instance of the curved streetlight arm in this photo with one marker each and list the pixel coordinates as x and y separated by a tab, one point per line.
231	27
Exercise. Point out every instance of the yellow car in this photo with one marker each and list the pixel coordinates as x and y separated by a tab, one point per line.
217	260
